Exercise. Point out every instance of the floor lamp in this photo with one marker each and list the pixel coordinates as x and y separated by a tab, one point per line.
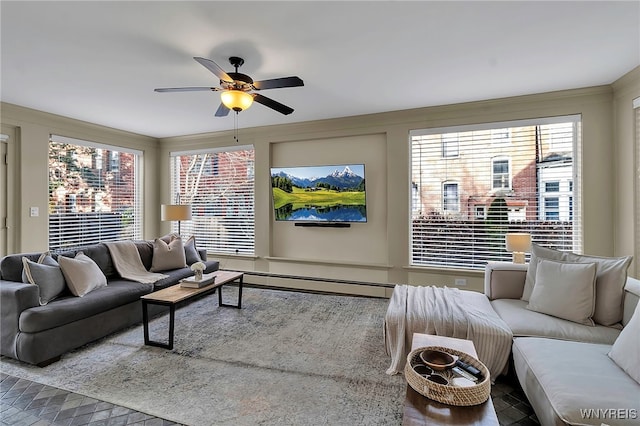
177	212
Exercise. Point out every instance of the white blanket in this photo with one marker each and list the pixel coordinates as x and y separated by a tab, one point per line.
447	312
127	262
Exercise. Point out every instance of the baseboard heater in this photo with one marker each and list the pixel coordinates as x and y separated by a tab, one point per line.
324	280
323	224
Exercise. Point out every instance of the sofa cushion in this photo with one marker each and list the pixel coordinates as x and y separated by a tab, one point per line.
100	254
524	322
191	251
46	274
537	252
610	280
82	274
167	256
564	290
626	349
562	378
145	248
68	309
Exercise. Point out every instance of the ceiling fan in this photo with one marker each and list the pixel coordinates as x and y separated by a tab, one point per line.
236	88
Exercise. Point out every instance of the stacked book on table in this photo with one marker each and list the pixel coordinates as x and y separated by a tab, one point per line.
191	282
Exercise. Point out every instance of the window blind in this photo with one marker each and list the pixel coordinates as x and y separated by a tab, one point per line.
519	176
219	186
94	193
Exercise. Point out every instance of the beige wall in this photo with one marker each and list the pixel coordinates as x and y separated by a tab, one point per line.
382	253
378	250
627	170
32	130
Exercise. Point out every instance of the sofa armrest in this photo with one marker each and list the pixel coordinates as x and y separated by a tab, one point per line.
15	297
504	280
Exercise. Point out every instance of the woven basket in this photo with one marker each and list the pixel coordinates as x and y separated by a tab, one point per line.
448	394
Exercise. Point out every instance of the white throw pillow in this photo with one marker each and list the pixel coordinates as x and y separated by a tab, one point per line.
537	253
626	349
168	256
82	274
565	290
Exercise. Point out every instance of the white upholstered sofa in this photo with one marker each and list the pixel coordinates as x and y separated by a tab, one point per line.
563	365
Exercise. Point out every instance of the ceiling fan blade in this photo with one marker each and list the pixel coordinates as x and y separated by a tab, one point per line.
187	89
214	68
222	111
268	102
276	83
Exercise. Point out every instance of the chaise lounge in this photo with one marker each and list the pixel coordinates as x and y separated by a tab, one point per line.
575	326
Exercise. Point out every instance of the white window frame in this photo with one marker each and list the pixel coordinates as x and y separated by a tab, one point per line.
501	136
466	241
493	173
228	227
72	229
450	145
446	203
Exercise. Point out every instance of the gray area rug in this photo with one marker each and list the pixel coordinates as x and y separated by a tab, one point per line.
285	358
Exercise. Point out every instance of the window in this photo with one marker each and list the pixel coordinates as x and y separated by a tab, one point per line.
219	185
451	201
450	145
552	208
90	203
552	186
462	208
500	136
500	174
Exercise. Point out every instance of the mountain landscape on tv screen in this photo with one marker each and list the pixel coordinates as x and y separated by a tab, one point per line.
322	193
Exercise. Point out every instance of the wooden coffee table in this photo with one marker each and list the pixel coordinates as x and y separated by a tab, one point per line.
172	296
420	410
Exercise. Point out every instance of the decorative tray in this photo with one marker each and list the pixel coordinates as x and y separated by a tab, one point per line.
449	393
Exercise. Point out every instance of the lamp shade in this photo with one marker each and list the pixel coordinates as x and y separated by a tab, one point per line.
175	212
236	100
518	242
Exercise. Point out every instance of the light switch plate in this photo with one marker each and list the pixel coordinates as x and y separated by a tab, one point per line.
34	212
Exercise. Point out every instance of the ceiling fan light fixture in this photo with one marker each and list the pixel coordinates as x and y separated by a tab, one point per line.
236	100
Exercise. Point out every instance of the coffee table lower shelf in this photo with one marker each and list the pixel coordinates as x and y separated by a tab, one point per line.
174	295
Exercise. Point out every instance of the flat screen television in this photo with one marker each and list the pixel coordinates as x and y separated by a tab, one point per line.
334	193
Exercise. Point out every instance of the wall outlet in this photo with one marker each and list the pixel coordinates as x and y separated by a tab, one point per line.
34	212
461	281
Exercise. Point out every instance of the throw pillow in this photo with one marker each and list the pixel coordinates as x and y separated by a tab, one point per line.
537	252
610	281
168	256
82	274
170	236
191	251
626	349
565	290
46	274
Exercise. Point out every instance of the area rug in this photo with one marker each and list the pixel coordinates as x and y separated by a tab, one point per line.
286	358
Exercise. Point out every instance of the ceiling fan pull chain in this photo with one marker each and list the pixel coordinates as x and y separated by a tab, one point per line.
235	127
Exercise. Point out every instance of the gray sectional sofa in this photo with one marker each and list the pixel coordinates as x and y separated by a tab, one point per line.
40	334
563	366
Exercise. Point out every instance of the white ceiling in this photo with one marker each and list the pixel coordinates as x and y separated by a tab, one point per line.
100	61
